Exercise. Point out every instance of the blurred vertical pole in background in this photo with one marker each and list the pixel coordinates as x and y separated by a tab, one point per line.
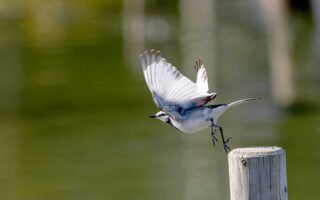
197	36
197	27
316	16
10	95
316	12
133	31
276	16
10	61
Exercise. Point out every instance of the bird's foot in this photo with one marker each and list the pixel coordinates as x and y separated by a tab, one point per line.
214	139
225	142
225	146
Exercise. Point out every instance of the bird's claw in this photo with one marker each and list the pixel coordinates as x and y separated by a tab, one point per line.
228	139
214	139
225	146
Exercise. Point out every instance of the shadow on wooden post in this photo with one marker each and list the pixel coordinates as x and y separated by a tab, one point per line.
258	173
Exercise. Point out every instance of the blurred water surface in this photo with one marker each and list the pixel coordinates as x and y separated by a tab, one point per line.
74	104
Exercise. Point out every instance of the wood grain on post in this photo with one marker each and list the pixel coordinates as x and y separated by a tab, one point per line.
258	173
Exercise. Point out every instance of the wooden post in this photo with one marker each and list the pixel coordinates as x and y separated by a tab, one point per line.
258	173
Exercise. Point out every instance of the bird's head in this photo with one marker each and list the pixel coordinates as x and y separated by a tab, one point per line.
162	116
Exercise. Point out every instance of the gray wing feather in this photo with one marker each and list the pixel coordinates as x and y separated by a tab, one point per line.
202	77
169	88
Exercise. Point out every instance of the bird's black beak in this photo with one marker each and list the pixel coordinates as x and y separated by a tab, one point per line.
152	116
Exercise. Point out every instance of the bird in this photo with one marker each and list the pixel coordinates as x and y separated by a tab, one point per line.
182	103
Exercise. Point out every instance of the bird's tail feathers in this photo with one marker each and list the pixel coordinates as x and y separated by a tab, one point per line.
235	103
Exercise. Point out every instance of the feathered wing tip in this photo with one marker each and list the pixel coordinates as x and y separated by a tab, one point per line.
198	63
199	67
148	57
235	103
202	77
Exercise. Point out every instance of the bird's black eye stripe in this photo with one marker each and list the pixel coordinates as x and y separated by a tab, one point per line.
161	115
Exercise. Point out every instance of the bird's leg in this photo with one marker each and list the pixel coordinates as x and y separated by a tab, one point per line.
225	146
213	132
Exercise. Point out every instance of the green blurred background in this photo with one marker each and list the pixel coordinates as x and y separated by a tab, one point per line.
74	105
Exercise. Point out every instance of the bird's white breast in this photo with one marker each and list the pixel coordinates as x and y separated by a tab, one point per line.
195	121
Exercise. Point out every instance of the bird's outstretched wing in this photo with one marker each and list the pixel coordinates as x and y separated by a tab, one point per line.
171	91
202	77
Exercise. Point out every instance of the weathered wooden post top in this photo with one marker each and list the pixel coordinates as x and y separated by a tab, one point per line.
258	173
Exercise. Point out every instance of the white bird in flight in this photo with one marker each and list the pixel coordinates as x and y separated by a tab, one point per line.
182	103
